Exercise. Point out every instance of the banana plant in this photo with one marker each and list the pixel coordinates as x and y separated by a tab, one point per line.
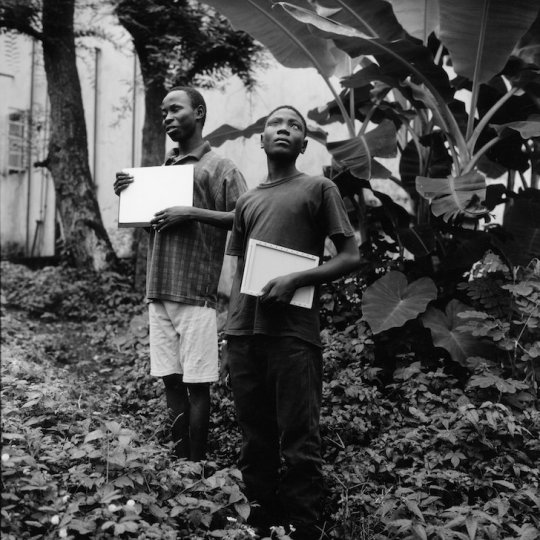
497	28
479	39
395	51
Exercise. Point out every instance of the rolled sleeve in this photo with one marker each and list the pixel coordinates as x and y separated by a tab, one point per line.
235	246
232	186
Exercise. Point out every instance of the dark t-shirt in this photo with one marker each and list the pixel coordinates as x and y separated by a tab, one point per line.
298	213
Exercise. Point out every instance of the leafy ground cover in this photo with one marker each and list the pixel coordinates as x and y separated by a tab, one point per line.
418	455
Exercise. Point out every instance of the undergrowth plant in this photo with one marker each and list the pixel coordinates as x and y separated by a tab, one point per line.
507	315
422	453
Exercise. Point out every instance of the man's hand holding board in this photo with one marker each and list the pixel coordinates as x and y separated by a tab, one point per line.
146	193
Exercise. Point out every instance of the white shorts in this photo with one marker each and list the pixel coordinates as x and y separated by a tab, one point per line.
183	340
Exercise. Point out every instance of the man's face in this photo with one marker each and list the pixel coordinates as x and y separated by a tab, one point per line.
283	134
179	116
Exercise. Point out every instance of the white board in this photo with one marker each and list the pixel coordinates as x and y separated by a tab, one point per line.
266	261
154	189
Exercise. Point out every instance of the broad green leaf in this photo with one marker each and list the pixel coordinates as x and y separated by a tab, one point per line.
390	302
528	48
368	74
374	18
113	426
413	507
506	484
419	240
419	17
480	35
471	523
289	41
398	216
93	435
379	171
454	196
444	333
227	132
352	154
356	153
419	531
527	129
522	221
243	510
505	386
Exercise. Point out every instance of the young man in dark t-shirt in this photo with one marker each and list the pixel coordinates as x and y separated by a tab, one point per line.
273	350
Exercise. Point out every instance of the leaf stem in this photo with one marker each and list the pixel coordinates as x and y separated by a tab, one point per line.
477	66
480	153
471	141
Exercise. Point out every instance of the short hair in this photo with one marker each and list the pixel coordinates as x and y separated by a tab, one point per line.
304	124
195	98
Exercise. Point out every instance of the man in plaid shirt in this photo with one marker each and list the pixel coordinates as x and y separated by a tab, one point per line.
185	257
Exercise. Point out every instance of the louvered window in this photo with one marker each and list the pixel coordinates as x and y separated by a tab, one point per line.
18	122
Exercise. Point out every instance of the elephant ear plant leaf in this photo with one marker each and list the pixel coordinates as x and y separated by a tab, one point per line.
390	302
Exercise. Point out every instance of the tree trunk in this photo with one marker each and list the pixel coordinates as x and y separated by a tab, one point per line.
153	150
87	243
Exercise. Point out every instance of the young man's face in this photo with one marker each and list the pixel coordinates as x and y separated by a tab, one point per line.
283	135
179	116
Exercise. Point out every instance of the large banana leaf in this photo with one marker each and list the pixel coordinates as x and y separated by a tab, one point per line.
372	17
454	196
287	39
528	48
371	72
226	132
356	153
481	34
390	302
527	129
418	17
403	57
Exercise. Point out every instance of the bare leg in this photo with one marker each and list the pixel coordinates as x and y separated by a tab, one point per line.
199	418
179	413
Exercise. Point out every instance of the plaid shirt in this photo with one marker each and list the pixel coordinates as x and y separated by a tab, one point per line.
184	262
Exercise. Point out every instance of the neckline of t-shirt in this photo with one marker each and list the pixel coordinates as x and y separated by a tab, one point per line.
280	181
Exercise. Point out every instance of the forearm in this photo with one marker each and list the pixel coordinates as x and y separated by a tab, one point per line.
343	263
281	289
222	220
346	260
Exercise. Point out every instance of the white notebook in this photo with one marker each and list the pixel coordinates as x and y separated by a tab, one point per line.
266	261
154	189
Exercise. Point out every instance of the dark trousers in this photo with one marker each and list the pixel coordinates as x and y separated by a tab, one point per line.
277	387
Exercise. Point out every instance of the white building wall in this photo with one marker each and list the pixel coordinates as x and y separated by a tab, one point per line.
114	109
27	211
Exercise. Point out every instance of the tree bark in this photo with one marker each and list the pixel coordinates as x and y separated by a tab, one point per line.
153	147
87	243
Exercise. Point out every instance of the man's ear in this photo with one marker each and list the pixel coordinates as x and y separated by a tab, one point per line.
304	145
262	144
200	112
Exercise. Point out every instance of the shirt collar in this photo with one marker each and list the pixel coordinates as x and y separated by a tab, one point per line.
197	153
